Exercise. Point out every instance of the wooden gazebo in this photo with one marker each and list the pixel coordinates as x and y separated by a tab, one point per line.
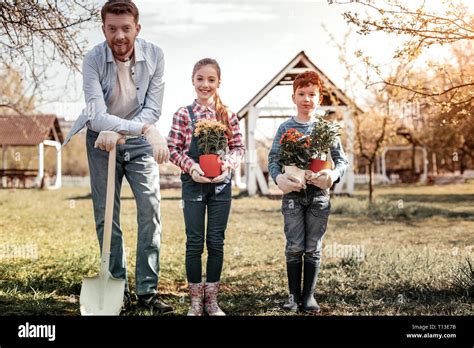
30	130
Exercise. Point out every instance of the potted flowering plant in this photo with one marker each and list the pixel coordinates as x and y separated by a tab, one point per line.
212	144
323	136
295	153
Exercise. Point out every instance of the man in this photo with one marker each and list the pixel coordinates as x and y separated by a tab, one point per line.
123	88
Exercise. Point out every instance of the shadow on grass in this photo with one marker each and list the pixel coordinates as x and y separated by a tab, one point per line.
390	208
259	293
247	297
406	299
36	287
28	305
435	198
52	295
422	212
410	299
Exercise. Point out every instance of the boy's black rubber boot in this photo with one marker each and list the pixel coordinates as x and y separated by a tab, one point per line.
311	272
293	271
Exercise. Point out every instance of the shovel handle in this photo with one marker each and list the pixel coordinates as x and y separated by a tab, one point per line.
109	211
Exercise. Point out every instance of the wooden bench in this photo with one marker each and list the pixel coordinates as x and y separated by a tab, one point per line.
15	177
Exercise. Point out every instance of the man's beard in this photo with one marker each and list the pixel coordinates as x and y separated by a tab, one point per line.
121	50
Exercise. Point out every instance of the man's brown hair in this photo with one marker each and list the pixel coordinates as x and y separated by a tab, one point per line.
119	7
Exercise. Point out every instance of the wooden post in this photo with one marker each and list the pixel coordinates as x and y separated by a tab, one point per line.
434	163
384	166
349	127
251	152
248	167
39	177
424	176
4	164
57	145
253	173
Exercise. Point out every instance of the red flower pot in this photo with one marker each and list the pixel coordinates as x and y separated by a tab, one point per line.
316	165
210	165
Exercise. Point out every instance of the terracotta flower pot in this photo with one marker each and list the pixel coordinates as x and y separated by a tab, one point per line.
211	165
296	172
316	165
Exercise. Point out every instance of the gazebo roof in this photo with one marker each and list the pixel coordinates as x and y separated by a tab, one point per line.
29	130
286	76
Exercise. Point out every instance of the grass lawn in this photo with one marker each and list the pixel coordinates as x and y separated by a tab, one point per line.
410	255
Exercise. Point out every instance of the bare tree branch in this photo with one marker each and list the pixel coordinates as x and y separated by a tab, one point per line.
36	34
455	24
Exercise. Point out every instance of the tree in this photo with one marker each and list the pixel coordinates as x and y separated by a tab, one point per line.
375	127
372	133
36	34
422	28
12	94
447	133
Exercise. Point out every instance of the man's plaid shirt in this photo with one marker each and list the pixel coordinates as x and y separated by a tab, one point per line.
180	136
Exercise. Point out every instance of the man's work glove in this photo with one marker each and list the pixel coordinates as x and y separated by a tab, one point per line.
161	153
108	139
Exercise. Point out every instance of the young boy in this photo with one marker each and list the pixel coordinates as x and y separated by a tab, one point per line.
305	211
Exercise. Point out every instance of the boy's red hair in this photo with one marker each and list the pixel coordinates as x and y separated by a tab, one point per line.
308	78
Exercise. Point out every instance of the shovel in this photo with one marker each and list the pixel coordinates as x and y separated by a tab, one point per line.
103	294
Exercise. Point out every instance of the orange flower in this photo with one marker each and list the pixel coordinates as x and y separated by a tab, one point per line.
204	126
291	135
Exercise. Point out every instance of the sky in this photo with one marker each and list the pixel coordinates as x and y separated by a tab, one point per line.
251	39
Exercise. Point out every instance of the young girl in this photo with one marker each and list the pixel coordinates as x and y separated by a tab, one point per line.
199	192
305	211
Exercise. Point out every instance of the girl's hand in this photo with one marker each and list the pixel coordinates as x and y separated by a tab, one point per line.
225	165
221	178
198	175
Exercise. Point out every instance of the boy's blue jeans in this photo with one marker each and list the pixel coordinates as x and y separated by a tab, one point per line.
135	162
305	216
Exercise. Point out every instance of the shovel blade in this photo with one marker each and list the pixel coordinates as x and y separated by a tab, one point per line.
102	295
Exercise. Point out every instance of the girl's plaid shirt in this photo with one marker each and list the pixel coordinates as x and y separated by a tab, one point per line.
180	136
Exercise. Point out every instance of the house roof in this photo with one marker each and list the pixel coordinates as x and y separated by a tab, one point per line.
286	76
29	130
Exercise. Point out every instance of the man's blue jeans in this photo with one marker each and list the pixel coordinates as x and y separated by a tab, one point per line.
135	162
305	215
